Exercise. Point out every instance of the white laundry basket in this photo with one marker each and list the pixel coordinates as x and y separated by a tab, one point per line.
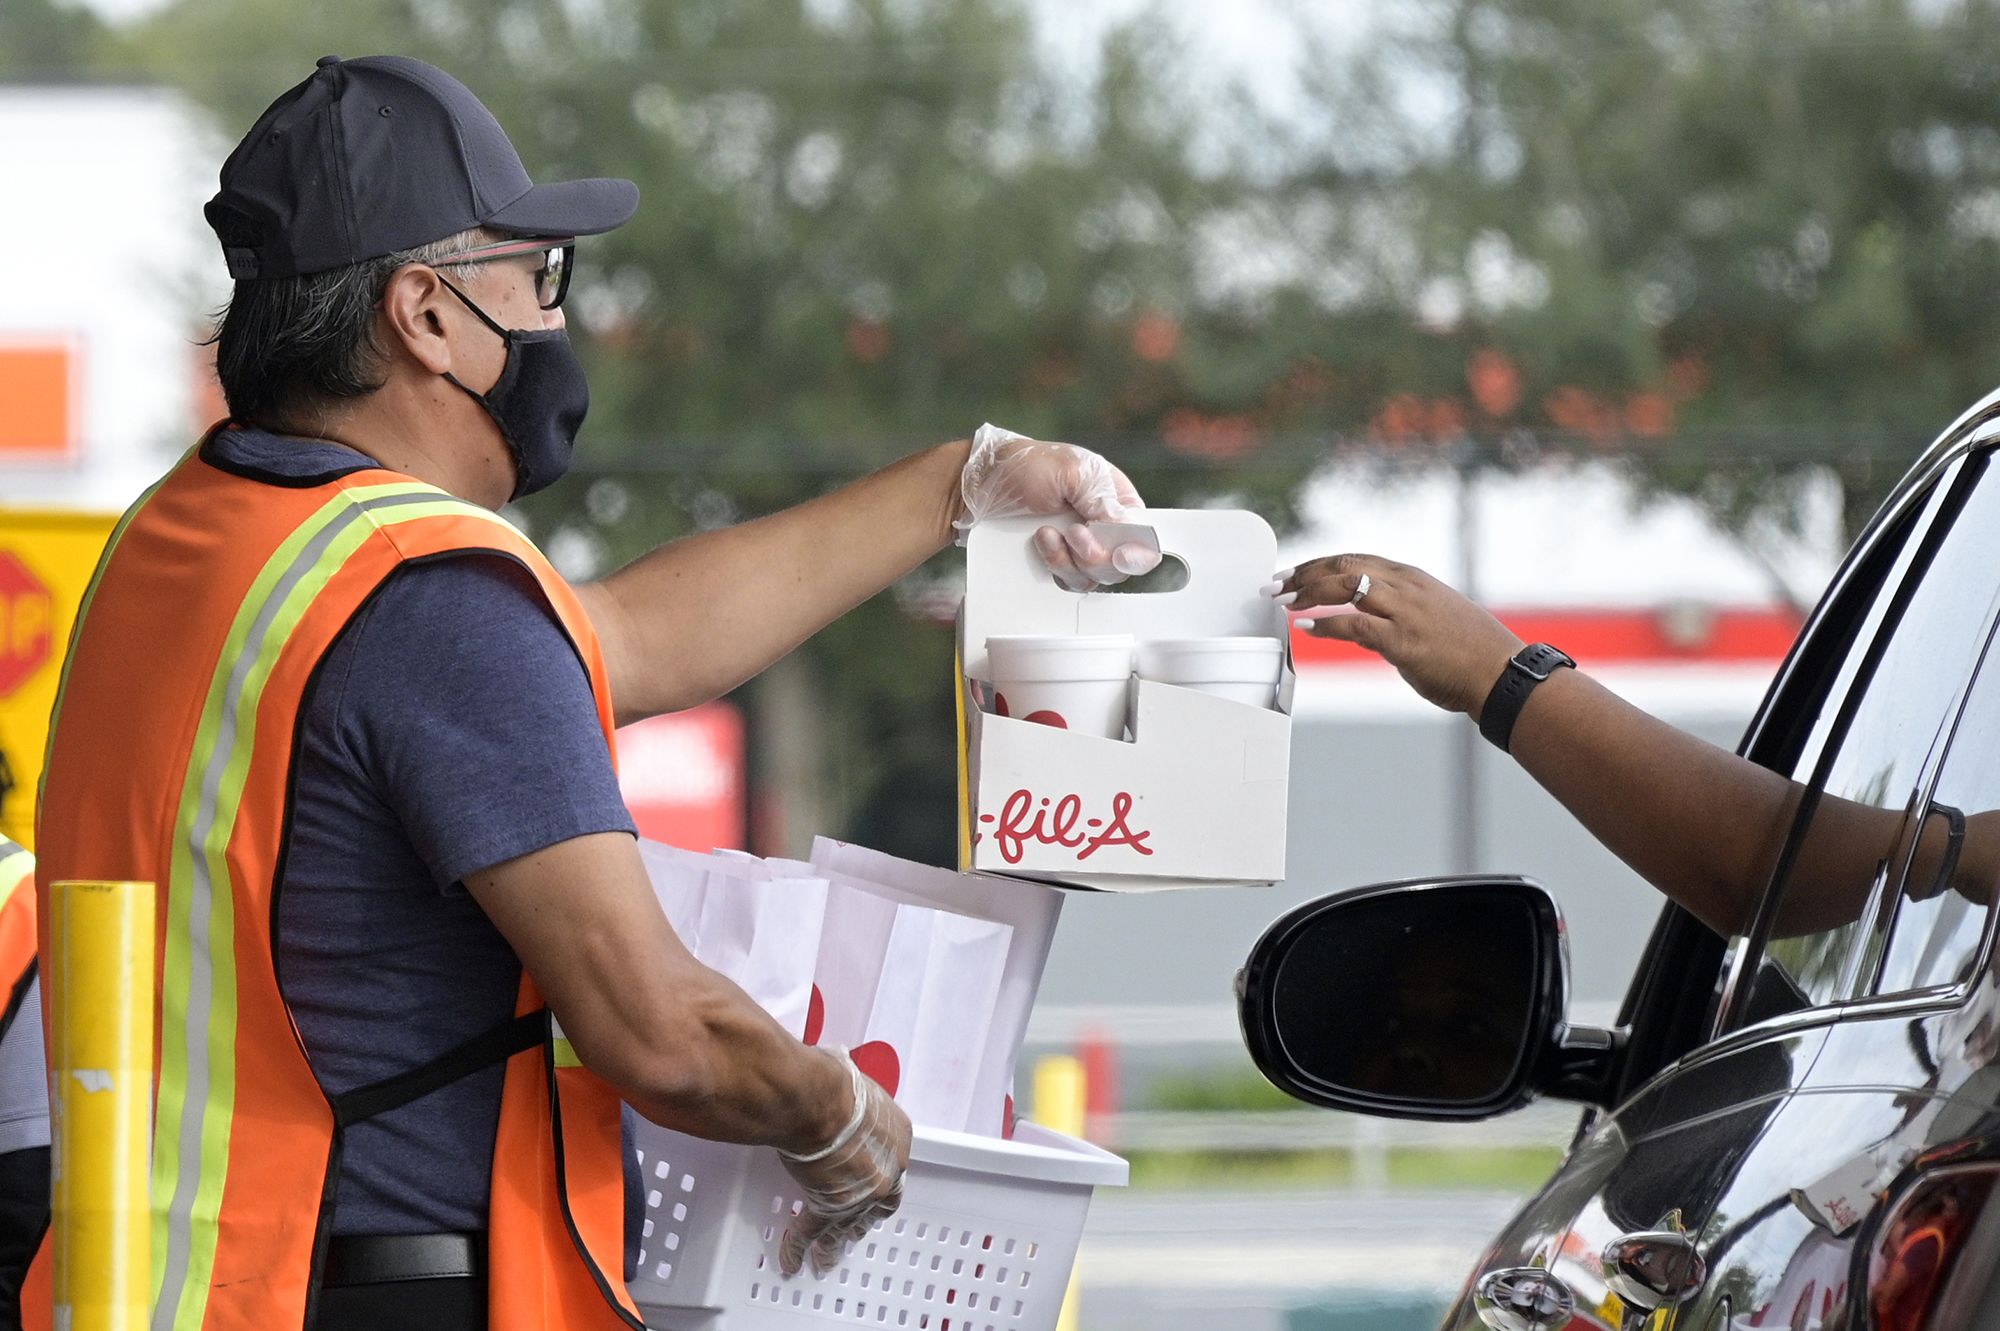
984	1241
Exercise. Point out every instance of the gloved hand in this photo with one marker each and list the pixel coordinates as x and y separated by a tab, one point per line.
1010	476
850	1183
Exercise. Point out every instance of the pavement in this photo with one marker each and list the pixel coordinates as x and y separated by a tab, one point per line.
1223	1261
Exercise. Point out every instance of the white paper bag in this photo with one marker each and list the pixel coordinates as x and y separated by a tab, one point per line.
1028	909
680	881
927	1034
852	944
764	933
736	918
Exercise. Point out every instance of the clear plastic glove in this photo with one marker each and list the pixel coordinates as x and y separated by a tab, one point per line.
1010	476
852	1182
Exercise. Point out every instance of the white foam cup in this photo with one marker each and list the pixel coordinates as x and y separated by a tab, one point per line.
1242	670
1072	681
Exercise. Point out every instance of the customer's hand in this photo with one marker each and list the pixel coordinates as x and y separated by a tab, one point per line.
1009	476
1447	648
851	1182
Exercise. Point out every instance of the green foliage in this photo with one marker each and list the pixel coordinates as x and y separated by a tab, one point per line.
44	40
1220	1092
1766	229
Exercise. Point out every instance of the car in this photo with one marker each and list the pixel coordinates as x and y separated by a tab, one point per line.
1794	1128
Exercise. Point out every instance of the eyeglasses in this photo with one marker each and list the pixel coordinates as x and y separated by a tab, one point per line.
551	279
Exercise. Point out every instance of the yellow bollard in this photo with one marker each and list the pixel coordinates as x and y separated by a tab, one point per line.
100	994
1061	1096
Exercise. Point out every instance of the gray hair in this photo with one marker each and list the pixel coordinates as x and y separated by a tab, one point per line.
293	347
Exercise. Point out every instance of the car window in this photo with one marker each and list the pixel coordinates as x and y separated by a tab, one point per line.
1875	742
1940	918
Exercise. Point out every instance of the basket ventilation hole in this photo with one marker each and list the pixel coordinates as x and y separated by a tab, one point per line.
680	1211
653	1200
661	1169
665	1270
646	1230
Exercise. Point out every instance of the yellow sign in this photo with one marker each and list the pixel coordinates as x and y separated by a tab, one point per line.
46	559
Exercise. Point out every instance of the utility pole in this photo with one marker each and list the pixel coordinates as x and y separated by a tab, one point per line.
1466	792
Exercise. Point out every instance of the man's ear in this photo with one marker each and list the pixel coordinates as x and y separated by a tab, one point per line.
414	314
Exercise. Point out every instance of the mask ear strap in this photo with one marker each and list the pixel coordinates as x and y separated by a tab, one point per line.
484	317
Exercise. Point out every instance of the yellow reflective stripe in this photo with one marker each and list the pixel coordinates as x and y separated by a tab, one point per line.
197	1054
566	1054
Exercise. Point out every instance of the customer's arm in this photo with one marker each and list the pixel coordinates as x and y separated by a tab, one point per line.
1698	822
699	616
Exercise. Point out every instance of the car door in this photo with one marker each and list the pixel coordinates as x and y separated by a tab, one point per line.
1674	1153
1902	986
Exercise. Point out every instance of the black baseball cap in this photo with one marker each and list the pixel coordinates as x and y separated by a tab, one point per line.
380	154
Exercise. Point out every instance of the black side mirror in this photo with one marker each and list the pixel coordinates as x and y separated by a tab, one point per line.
1436	999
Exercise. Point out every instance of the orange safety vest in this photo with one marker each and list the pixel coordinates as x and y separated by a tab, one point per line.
170	761
17	928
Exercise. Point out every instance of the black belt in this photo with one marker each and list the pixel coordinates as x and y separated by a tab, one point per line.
382	1259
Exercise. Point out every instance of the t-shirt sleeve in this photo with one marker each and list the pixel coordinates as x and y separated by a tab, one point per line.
471	715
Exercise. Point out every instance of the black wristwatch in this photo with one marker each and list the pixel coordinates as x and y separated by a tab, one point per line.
1530	666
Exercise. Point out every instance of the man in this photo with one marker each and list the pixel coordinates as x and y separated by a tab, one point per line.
360	734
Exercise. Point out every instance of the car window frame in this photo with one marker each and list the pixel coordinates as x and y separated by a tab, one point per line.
1942	486
1888	908
1667	1019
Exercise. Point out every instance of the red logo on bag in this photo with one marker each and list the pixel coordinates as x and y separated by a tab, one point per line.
879	1062
815	1016
1061	823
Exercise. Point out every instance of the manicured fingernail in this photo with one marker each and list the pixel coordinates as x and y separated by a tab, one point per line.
1304	625
1273	587
1284	573
1287	598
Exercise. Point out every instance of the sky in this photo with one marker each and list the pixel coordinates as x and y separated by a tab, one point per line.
1254	39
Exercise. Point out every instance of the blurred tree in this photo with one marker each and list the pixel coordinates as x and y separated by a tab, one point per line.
1682	227
42	40
866	227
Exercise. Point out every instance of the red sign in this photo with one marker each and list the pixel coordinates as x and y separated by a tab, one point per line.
682	777
26	614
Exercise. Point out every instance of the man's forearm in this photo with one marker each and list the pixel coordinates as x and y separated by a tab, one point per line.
699	616
732	1074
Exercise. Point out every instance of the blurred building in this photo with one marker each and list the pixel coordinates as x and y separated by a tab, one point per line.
101	367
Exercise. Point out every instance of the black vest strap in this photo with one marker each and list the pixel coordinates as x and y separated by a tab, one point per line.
494	1045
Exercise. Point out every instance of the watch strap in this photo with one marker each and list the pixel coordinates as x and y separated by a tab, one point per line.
1530	666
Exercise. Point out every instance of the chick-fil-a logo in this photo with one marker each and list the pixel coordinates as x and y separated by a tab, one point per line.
1026	817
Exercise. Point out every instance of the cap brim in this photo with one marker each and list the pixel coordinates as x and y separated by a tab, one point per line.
569	208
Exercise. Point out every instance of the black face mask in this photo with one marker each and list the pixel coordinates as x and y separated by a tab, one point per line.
538	401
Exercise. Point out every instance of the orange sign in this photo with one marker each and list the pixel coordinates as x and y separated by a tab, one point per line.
26	614
37	382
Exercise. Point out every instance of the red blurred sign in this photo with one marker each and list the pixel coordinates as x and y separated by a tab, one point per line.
26	612
683	777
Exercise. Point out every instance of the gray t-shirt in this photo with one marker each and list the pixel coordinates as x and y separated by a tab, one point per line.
450	728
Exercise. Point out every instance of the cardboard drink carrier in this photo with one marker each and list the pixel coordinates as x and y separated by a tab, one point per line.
1195	793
